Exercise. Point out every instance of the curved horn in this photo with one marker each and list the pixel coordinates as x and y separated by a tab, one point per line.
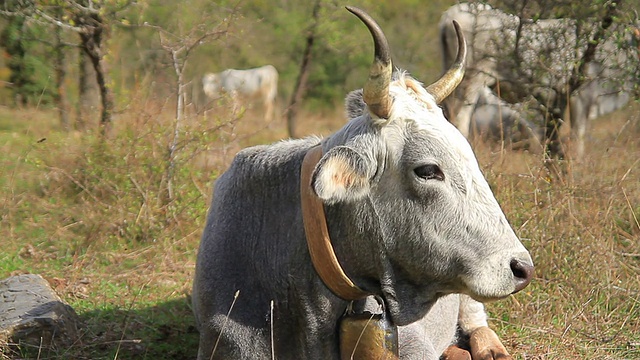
376	90
448	82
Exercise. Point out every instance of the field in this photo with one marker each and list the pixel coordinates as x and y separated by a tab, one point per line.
114	226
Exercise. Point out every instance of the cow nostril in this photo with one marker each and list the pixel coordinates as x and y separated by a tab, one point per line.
518	270
523	272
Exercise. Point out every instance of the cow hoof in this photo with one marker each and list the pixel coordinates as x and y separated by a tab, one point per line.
455	353
485	345
491	355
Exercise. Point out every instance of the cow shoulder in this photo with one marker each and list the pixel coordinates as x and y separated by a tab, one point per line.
273	155
268	165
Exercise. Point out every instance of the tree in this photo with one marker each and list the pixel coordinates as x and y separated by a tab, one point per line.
29	74
20	76
91	20
303	75
60	70
552	66
87	91
179	45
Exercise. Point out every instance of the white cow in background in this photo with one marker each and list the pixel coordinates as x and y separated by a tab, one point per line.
247	86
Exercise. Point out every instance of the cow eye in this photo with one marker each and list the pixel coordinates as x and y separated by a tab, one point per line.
429	172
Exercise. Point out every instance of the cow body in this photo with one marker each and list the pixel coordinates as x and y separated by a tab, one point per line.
531	58
250	85
254	242
410	216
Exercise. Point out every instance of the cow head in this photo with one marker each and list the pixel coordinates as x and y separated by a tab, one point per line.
432	224
211	85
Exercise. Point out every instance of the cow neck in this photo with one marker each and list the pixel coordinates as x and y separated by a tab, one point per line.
318	241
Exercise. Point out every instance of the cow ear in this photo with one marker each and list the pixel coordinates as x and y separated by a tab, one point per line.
343	174
354	104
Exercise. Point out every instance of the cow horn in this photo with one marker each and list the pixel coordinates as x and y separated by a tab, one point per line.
376	90
448	82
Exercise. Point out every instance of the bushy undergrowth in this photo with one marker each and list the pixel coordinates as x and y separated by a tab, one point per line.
97	219
110	222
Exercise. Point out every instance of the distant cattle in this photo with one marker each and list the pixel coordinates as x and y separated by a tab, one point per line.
532	58
393	206
517	124
246	86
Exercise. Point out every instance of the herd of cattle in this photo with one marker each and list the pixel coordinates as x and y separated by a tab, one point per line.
409	229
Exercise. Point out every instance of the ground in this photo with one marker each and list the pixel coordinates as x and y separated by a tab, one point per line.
95	218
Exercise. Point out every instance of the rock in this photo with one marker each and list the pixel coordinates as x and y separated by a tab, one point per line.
32	313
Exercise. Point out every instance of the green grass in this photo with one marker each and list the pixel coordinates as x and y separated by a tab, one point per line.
95	219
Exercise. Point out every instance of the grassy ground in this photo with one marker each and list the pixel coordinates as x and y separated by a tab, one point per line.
95	219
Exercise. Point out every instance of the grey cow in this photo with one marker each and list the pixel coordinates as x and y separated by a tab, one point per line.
411	219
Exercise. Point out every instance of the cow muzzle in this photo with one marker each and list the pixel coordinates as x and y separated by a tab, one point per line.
499	275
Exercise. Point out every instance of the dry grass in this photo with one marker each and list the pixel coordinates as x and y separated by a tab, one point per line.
95	220
582	230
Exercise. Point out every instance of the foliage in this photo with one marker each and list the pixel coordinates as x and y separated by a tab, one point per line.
91	21
260	33
273	32
587	19
30	74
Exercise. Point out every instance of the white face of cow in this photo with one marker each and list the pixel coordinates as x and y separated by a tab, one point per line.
459	218
441	229
443	226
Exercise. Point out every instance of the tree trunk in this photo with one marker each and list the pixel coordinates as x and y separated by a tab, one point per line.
88	96
180	88
12	41
60	68
83	88
105	93
554	120
91	42
301	82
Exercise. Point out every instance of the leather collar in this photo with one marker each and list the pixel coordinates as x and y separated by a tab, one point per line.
315	226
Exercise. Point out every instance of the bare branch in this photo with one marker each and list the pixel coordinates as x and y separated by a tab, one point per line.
83	9
206	36
53	21
187	44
